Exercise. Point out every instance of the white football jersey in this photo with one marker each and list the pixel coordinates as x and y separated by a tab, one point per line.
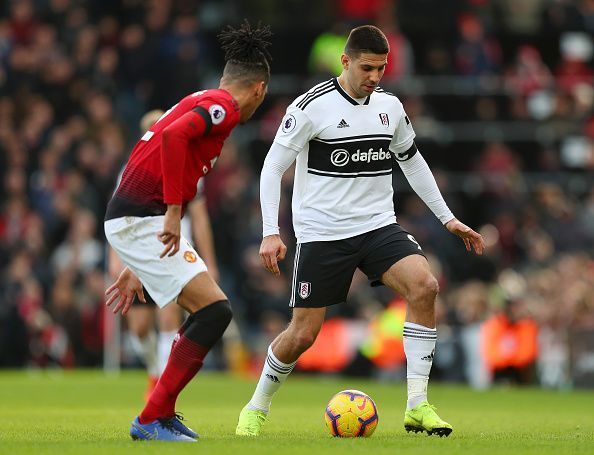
346	149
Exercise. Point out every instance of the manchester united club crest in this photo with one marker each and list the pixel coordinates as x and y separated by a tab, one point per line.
189	256
304	289
384	119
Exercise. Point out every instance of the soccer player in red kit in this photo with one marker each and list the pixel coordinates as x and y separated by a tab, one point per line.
142	222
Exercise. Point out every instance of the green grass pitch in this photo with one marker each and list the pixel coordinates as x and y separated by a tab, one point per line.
89	412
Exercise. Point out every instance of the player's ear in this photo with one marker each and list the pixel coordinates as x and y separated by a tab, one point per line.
345	60
260	89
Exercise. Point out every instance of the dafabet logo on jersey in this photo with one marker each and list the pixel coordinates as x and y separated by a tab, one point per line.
190	256
341	157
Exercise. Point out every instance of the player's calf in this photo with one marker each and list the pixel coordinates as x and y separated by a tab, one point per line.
194	340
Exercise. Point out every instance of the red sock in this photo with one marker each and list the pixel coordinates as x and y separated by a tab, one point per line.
184	362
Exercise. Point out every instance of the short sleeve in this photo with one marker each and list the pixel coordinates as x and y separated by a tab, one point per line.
403	136
295	130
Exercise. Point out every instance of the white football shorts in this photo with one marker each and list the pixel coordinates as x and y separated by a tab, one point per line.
135	240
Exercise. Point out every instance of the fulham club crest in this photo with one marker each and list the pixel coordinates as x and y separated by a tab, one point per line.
304	289
384	119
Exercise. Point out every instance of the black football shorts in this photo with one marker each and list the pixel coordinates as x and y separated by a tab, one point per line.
323	271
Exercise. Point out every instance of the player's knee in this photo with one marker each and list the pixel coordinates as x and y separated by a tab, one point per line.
224	312
428	288
141	330
207	325
219	314
424	291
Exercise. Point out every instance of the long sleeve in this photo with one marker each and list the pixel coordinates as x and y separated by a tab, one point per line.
174	148
421	180
278	160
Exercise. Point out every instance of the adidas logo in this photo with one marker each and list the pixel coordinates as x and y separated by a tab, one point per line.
343	124
428	358
272	378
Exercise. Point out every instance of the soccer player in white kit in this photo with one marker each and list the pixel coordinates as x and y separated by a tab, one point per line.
345	134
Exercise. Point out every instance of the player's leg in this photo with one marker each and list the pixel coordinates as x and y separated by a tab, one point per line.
321	277
210	314
169	320
141	325
282	356
183	277
283	353
411	277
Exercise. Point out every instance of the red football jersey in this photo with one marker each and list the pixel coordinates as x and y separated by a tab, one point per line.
170	158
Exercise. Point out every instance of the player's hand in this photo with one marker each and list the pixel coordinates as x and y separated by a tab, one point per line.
272	250
471	238
171	233
123	290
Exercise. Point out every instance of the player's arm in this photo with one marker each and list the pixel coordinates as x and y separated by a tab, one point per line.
202	233
294	132
423	182
278	160
174	147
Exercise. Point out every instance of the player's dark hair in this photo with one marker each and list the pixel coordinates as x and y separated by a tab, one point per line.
366	38
246	53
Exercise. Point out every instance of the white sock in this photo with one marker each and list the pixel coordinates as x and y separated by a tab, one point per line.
164	349
146	348
419	347
273	375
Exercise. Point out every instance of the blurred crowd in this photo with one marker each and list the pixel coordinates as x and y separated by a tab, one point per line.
500	94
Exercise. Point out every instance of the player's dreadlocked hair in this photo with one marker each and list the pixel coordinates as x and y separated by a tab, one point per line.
246	53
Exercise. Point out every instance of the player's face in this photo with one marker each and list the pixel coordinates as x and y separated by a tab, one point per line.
259	92
364	72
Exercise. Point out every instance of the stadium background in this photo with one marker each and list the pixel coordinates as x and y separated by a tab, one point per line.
500	94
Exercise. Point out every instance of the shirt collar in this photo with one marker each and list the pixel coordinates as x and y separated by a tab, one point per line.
348	97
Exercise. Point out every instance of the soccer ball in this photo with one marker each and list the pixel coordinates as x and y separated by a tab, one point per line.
351	414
